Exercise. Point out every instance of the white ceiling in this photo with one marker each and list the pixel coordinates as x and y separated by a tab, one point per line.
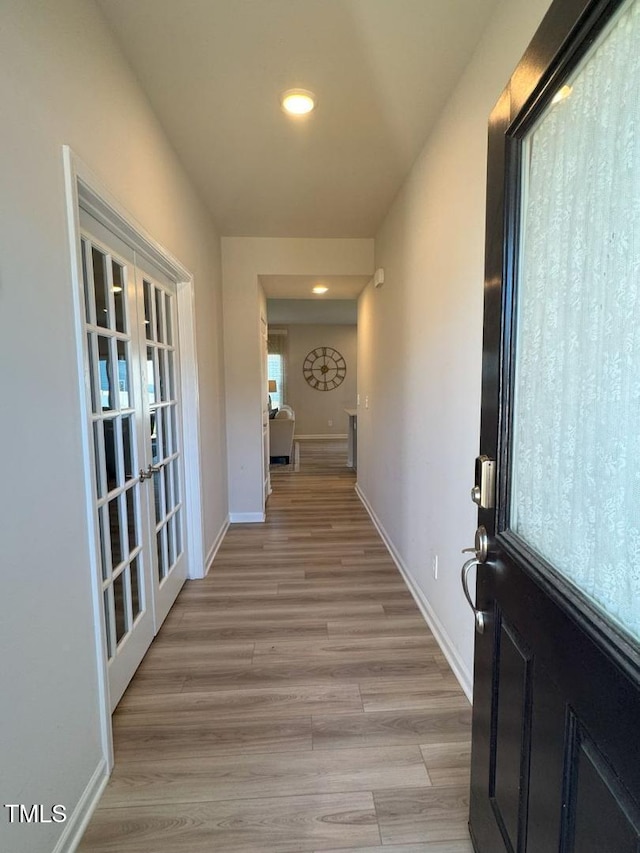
381	69
300	286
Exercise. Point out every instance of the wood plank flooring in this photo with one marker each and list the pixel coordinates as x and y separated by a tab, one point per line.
294	700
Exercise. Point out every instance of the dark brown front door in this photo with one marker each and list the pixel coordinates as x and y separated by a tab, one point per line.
556	757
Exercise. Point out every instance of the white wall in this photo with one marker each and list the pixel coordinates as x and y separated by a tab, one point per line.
420	339
310	311
243	260
63	81
314	409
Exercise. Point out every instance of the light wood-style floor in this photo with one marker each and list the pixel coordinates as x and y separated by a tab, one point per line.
294	699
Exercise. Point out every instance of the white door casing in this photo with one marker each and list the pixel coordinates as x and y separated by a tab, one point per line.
266	473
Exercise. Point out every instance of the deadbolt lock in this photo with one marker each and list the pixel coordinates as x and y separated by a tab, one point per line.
484	491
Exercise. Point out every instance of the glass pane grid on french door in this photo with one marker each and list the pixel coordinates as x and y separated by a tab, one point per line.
109	354
159	308
131	341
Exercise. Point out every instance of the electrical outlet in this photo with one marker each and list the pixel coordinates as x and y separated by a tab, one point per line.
357	399
434	565
330	423
366	402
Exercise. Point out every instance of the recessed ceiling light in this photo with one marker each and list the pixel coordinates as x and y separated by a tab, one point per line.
297	102
320	288
116	288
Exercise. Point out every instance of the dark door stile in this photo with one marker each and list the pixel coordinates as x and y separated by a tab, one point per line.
555	756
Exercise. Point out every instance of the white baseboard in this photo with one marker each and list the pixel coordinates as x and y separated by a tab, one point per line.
461	672
325	437
246	517
216	545
77	822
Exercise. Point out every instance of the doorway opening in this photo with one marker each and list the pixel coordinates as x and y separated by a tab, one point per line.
311	370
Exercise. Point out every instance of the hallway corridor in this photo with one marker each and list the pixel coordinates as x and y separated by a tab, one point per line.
294	700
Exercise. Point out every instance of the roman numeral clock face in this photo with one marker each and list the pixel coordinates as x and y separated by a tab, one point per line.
324	368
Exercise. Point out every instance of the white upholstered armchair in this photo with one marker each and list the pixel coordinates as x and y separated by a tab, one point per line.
281	429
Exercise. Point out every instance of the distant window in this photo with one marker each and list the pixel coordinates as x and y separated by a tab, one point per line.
275	369
277	365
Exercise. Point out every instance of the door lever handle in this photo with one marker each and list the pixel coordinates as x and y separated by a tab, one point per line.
151	470
478	614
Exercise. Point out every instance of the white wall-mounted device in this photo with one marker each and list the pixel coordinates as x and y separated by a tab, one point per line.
378	277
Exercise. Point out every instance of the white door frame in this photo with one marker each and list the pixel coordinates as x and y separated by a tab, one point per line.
81	185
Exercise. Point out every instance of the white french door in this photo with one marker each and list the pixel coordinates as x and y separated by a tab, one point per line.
163	437
131	370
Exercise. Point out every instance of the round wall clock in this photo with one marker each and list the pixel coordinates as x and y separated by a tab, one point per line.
324	368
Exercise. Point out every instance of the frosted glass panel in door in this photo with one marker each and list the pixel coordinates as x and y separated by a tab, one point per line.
575	495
